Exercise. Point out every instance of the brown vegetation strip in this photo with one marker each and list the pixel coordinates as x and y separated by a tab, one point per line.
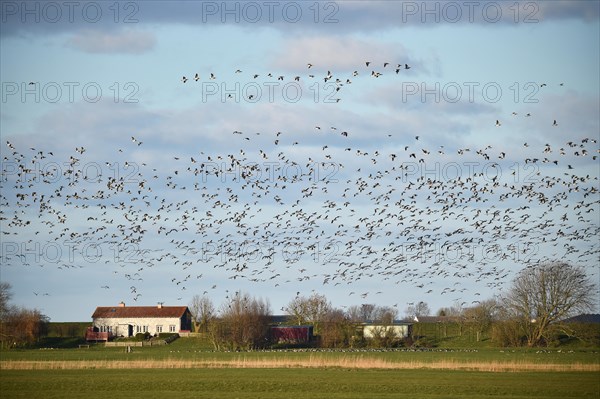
355	362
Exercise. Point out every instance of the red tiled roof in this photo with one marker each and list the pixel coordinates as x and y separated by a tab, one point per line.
139	311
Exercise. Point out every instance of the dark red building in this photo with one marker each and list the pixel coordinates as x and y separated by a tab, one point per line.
291	334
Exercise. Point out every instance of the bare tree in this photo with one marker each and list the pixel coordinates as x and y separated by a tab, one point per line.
480	317
385	314
543	295
417	310
309	310
24	326
452	311
336	330
367	311
298	308
506	330
19	325
353	314
203	312
451	315
370	312
217	333
244	322
5	296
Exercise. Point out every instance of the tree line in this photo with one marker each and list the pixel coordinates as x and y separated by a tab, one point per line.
530	313
19	326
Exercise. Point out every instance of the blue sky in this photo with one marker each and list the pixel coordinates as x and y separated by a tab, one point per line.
132	73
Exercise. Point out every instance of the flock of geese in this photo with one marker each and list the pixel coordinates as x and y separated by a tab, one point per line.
402	214
327	78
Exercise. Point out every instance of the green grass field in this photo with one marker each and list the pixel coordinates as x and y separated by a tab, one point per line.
287	383
59	369
193	348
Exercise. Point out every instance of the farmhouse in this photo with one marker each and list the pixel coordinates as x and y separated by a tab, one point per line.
126	321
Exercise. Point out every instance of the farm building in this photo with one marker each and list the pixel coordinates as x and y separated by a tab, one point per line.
126	321
396	330
291	334
584	318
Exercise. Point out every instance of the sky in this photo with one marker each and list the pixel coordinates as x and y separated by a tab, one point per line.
124	178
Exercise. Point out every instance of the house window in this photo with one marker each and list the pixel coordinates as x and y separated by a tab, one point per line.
159	329
145	329
172	328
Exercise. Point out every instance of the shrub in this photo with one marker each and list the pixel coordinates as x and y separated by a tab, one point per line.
142	336
165	335
507	333
168	337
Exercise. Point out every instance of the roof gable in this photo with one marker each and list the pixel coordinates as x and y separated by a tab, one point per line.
139	311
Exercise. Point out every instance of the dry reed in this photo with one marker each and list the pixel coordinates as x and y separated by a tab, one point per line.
351	362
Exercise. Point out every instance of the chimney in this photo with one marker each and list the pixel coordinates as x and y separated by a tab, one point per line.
160	305
122	304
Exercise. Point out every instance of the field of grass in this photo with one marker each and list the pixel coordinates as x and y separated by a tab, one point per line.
197	350
189	368
327	383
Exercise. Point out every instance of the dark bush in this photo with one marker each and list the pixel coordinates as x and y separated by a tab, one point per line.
165	335
142	336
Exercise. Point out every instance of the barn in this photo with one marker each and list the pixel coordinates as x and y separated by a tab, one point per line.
291	334
126	321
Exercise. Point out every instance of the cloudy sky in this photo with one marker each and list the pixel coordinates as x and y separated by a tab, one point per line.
126	178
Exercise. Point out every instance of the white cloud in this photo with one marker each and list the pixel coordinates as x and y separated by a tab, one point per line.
123	42
338	53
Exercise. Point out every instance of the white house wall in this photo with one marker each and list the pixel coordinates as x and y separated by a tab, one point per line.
120	324
371	331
